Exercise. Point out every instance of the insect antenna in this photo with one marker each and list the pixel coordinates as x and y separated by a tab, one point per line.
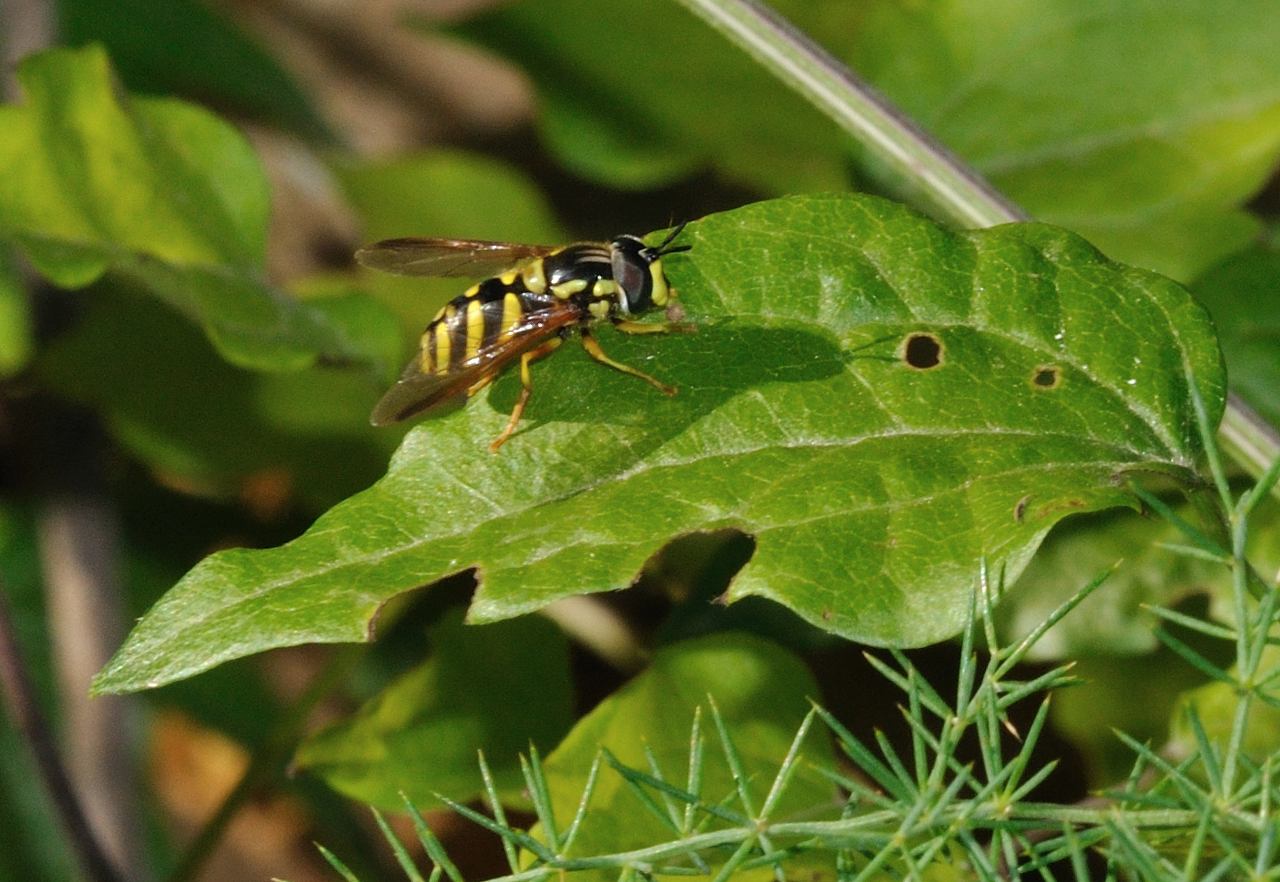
666	248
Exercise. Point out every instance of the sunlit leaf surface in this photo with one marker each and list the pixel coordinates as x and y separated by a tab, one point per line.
879	402
160	191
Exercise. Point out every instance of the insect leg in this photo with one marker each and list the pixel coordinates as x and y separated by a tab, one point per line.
592	346
630	327
526	389
471	392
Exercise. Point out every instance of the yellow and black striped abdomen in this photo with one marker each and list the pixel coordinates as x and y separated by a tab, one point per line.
478	321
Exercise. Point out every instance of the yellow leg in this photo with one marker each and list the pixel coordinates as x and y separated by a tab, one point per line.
471	393
629	327
592	346
526	389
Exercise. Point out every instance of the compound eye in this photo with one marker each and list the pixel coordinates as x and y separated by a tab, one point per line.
632	277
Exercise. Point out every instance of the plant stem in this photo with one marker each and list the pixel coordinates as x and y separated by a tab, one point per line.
955	189
78	539
19	697
1248	439
878	830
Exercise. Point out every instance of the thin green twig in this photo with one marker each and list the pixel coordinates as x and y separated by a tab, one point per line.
857	108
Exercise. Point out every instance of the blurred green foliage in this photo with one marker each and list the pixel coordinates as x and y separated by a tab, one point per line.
236	404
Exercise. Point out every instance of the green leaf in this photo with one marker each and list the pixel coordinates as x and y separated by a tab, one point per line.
161	192
637	94
1134	694
762	693
171	401
1113	621
447	193
1243	295
186	48
872	488
494	688
1142	126
16	328
1219	703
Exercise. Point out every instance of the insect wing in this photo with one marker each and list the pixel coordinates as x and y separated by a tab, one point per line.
417	392
470	258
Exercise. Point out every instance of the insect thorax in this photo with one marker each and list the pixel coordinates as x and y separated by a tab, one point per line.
581	274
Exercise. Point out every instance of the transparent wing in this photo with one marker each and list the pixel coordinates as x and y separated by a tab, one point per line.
472	258
418	393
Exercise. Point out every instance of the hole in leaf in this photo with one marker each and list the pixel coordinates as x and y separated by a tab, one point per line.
1047	376
922	351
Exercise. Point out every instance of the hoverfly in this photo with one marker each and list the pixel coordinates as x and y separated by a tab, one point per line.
525	312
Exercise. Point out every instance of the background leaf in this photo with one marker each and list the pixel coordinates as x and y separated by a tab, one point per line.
447	193
1218	705
1243	295
762	693
16	329
1142	126
184	47
173	403
495	688
1112	620
160	191
872	488
1134	694
663	95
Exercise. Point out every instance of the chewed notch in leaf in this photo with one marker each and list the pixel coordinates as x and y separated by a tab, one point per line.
873	472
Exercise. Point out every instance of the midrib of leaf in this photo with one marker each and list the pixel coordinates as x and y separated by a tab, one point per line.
221	236
809	444
909	502
1166	129
519	517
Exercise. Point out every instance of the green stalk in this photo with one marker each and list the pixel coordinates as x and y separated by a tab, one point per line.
1250	441
957	191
